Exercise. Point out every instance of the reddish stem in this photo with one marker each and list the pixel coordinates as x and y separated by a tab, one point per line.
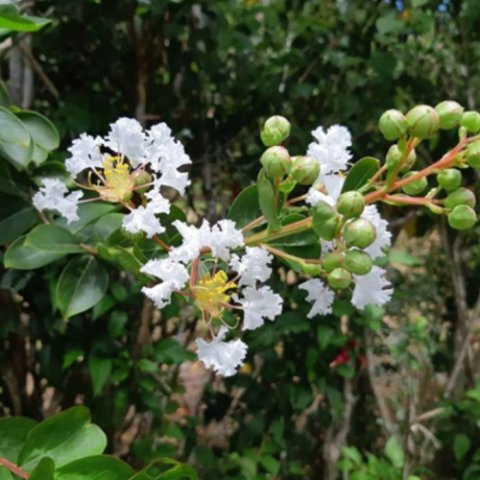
13	468
409	200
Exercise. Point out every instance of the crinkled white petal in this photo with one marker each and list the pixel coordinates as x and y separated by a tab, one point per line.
85	154
259	305
53	195
333	184
172	178
126	137
194	239
160	294
253	266
383	238
372	288
224	357
314	197
167	270
321	296
224	237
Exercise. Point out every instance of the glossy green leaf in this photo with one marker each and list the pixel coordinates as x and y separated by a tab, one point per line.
22	23
13	433
360	173
15	140
44	470
245	208
18	223
82	284
41	129
98	467
64	438
156	471
53	239
268	200
100	370
21	257
87	214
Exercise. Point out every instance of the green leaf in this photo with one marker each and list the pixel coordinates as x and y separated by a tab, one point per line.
104	227
404	258
16	224
19	23
44	470
352	454
394	452
15	140
13	433
269	200
270	464
4	96
461	446
87	214
53	239
22	257
82	284
301	239
100	370
99	467
179	471
245	208
360	173
64	438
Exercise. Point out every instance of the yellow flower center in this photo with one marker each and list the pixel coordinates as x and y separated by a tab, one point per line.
210	293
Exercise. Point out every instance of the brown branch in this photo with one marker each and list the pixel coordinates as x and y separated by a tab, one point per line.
13	468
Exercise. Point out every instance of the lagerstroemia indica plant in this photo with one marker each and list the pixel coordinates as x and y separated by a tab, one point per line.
316	211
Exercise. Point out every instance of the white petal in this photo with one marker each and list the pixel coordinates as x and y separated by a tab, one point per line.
224	237
253	266
259	305
321	296
160	294
85	154
167	270
383	238
126	137
372	288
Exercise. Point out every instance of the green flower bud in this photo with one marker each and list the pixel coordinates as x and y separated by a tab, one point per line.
142	178
460	196
311	269
332	260
276	161
393	124
325	221
305	170
423	121
350	204
416	187
275	130
358	262
449	179
339	278
450	114
394	155
409	161
471	121
473	155
359	233
462	217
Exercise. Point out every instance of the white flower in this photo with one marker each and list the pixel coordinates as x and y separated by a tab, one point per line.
331	148
173	274
258	305
224	237
383	238
224	357
85	154
321	296
127	138
171	177
332	184
144	218
314	197
53	196
372	288
253	266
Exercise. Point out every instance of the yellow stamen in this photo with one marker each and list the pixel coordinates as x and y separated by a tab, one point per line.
210	293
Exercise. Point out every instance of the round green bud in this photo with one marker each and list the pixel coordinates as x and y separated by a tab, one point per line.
276	161
358	262
305	170
332	260
416	187
449	179
473	155
450	114
460	196
142	178
339	278
394	155
462	217
393	124
409	161
423	121
275	130
325	220
471	121
350	204
359	233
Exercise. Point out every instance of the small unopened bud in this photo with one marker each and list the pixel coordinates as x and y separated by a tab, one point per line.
358	262
276	161
409	162
350	204
462	217
471	121
473	155
142	178
460	196
450	114
359	233
275	130
325	221
339	278
332	260
449	179
423	121
393	124
312	269
416	187
305	170
394	155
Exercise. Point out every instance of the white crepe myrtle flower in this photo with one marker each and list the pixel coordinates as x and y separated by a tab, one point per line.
327	188
253	266
383	238
223	238
126	137
320	295
331	148
371	289
53	195
223	357
85	154
259	305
